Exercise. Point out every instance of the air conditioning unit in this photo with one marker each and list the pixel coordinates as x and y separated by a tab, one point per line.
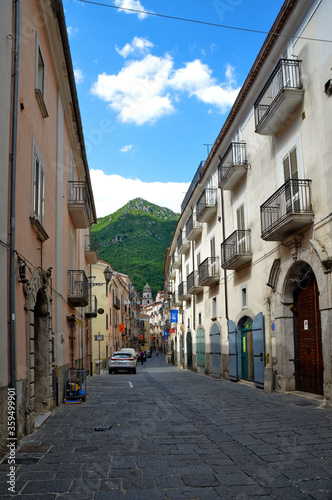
328	87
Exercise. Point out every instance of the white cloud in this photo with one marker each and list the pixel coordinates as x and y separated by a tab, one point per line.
131	4
138	45
138	91
79	77
112	192
146	90
127	148
71	31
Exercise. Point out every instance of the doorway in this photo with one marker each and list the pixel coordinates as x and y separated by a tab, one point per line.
189	351
309	365
247	359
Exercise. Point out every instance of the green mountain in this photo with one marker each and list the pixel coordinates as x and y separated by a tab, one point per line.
134	240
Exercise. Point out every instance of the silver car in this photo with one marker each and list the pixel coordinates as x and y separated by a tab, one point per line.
122	361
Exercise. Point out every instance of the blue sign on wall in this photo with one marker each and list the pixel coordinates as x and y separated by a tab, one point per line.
174	316
165	334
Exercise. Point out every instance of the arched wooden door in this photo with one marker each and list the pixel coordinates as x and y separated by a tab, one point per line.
309	366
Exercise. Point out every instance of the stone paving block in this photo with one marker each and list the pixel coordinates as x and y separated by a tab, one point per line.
124	462
110	484
192	493
53	486
190	469
240	493
200	480
148	495
142	483
236	478
120	473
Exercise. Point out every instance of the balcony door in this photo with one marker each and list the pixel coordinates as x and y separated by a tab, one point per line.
213	256
292	191
241	236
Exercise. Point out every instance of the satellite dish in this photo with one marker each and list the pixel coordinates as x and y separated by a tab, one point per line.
100	310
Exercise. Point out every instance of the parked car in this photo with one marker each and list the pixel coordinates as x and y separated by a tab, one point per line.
132	351
122	361
148	354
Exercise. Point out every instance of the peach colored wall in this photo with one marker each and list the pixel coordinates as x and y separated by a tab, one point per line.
43	131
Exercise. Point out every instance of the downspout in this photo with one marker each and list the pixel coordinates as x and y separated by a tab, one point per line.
223	238
13	156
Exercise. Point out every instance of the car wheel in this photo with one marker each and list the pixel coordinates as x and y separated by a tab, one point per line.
110	371
134	370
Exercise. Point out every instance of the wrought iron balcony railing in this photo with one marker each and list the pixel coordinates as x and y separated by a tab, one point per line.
182	291
78	288
91	311
192	185
233	165
78	204
235	250
206	204
182	243
116	303
280	96
193	227
209	271
91	249
287	210
193	286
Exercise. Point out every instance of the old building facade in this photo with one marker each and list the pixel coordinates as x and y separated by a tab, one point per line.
47	209
249	267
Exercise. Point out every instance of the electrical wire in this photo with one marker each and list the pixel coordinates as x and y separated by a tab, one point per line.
206	23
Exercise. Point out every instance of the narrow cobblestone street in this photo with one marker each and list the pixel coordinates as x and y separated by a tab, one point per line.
172	434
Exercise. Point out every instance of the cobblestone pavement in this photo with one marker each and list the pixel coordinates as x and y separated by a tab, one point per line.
176	435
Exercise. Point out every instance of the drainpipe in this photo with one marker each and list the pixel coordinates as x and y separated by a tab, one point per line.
223	238
13	156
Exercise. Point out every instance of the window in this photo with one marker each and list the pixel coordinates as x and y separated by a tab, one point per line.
244	297
38	189
214	307
40	80
106	321
199	318
40	72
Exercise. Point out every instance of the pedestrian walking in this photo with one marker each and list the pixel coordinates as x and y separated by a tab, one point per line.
141	355
157	352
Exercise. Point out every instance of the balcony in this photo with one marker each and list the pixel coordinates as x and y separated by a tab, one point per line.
208	271
279	98
193	286
192	185
183	244
171	272
287	210
193	228
116	303
176	260
175	300
233	166
182	291
78	289
78	204
91	249
206	205
235	250
91	311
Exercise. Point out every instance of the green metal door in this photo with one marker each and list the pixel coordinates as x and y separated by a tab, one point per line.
200	342
189	351
247	360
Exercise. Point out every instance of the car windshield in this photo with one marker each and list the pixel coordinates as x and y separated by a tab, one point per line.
121	355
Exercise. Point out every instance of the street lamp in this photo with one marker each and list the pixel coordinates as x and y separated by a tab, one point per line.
108	273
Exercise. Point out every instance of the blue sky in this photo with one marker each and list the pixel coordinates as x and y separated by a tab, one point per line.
154	91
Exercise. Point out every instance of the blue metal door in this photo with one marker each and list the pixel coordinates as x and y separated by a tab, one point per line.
232	342
258	349
215	351
200	349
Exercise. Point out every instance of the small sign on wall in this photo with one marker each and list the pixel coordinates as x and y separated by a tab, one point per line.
306	324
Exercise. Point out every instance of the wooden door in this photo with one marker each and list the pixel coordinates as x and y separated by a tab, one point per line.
308	339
